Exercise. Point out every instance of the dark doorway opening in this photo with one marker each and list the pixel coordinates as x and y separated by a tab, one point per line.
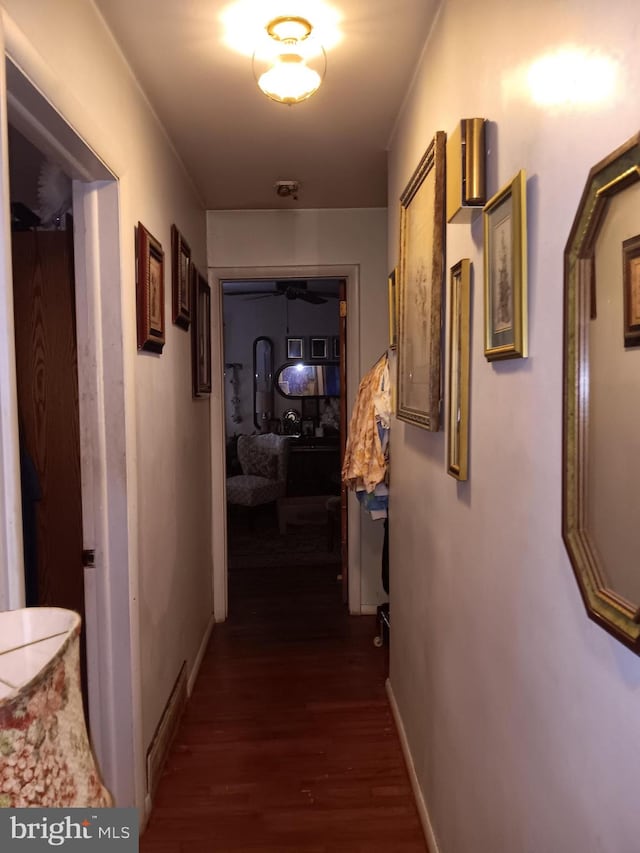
47	382
301	401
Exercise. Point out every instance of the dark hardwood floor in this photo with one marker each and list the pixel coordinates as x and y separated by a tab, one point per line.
287	744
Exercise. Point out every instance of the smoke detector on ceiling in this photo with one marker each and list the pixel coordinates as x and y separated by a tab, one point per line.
287	189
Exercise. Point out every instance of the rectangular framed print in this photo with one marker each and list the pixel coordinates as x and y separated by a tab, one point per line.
295	348
180	279
631	285
201	335
505	272
422	236
149	291
393	308
458	391
319	348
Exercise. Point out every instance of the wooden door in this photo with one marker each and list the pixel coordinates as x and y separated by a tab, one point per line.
47	383
344	541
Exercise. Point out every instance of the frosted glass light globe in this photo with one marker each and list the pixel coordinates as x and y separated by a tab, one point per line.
289	63
290	80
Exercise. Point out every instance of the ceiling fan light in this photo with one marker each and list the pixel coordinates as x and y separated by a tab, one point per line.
289	80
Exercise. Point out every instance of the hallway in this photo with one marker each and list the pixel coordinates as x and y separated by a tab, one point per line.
287	743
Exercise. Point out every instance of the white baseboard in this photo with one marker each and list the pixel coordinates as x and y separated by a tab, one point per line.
427	828
198	661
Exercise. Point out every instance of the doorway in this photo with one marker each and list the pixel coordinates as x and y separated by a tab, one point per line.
284	389
351	366
112	653
44	302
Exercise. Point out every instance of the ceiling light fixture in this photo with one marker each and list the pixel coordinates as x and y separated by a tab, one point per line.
290	64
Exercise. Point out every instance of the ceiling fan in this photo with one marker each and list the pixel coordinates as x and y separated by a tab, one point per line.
293	289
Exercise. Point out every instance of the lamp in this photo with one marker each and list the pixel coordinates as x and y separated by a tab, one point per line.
290	64
46	759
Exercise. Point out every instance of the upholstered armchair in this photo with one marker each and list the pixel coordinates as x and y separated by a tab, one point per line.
263	459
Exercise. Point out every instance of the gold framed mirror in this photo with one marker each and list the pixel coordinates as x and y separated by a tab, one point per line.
601	440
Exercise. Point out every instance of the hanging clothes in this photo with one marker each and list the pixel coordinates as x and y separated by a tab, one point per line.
367	452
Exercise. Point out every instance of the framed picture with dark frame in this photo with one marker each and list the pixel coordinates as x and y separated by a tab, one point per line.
201	335
180	279
631	285
319	348
421	274
335	348
505	271
295	348
149	291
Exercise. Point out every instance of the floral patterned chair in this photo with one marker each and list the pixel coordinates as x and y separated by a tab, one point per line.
263	459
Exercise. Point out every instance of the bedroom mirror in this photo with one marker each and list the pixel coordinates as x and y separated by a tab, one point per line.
262	382
308	380
601	449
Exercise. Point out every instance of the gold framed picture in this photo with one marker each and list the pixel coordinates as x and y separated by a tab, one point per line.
421	269
458	396
505	271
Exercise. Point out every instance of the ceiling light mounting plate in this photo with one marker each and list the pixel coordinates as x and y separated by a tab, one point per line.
289	28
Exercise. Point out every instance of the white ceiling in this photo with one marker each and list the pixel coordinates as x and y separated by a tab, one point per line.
234	141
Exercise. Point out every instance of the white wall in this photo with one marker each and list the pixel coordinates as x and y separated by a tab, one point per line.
320	238
521	714
168	432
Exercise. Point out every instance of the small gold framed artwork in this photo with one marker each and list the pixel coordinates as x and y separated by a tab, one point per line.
505	271
458	396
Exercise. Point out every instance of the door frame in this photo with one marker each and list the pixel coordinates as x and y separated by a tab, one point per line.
351	274
29	95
